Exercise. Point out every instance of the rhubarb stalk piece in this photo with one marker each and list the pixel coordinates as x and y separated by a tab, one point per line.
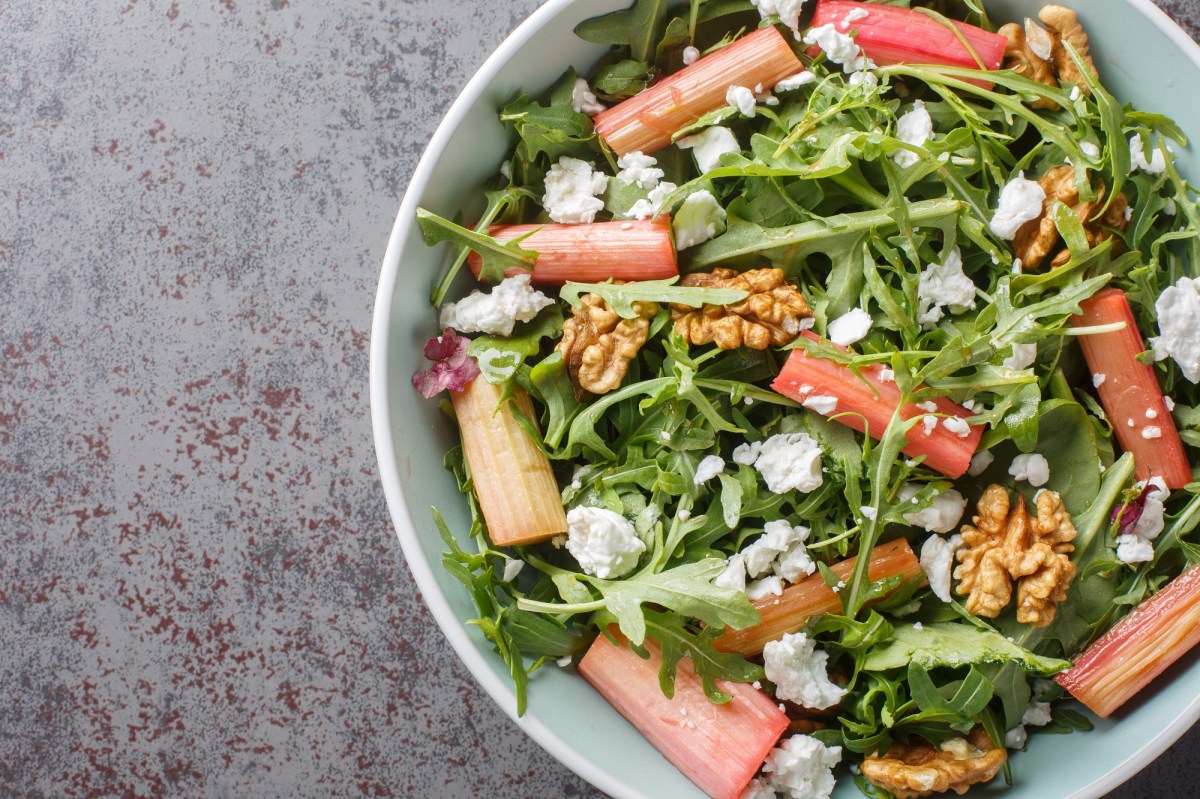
513	479
718	747
630	250
894	35
811	597
1140	647
866	404
1129	390
647	121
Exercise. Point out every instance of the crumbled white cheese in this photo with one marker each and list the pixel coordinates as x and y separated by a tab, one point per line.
915	127
690	55
787	462
980	462
644	209
1170	403
821	404
931	422
640	169
709	145
929	406
838	47
583	100
1151	413
605	543
506	169
802	768
868	512
1032	468
1156	164
571	186
512	300
1151	431
734	575
793	82
1169	207
564	661
937	560
512	568
798	670
972	405
944	285
1131	549
697	220
767	586
781	550
943	513
788	11
957	425
742	99
850	327
1178	309
1016	737
1090	150
1020	201
1023	356
1098	380
887	376
1075	94
708	468
759	789
854	16
1037	714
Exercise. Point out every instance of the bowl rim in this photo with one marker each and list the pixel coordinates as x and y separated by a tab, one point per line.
386	455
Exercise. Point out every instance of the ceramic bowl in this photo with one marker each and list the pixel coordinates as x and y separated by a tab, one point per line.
1144	58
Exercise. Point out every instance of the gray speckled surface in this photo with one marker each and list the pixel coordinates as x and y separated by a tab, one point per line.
200	591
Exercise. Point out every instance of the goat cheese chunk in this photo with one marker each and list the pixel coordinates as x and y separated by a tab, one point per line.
914	127
708	468
583	100
1032	468
798	670
512	300
839	48
800	768
1156	164
605	543
690	55
943	513
941	286
1020	201
788	12
734	576
653	204
793	82
1135	545
709	145
1178	310
937	561
571	189
640	169
787	462
697	220
850	327
742	99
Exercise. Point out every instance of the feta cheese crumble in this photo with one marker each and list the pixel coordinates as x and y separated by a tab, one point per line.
1178	309
798	670
644	209
980	462
788	11
779	550
742	99
944	285
690	55
1032	468
838	47
1098	380
937	561
708	468
583	100
942	514
709	145
850	327
605	543
793	82
571	186
1020	201
697	220
1156	164
639	169
1090	150
821	404
916	128
1151	432
854	16
799	768
496	313
957	425
787	461
1134	546
1023	356
511	569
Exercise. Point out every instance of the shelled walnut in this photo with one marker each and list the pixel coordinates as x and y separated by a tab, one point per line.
1038	53
910	770
597	344
770	316
1005	544
1035	239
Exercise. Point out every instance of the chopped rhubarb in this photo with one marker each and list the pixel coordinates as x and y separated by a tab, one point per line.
718	747
1140	647
811	597
517	492
866	403
1129	390
647	121
895	35
630	250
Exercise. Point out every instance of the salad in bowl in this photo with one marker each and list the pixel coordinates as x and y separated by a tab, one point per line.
825	386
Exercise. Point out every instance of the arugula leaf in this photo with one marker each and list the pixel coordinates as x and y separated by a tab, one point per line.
498	257
708	664
500	357
636	27
556	129
955	644
621	297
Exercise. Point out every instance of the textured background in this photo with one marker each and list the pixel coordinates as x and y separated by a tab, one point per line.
200	591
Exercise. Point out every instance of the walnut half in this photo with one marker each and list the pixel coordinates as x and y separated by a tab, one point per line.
597	345
1035	239
770	316
909	770
1005	544
1038	53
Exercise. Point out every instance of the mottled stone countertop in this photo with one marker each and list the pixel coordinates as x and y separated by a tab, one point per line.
201	593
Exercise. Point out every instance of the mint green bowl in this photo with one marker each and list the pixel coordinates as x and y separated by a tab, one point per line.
1143	57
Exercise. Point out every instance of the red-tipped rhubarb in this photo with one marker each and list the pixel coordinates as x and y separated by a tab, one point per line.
894	35
866	403
811	597
1129	390
631	250
517	492
647	120
1140	647
718	747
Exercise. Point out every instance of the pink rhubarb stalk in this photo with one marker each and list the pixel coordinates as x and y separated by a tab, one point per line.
718	747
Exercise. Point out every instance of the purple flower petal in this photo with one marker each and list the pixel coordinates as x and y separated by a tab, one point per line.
1129	514
452	367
